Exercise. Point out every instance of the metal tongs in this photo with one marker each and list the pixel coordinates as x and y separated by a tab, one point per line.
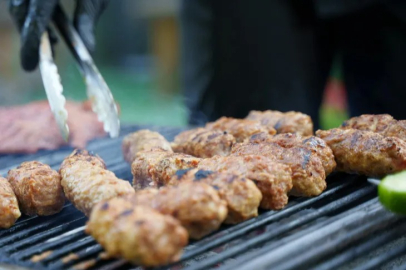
97	90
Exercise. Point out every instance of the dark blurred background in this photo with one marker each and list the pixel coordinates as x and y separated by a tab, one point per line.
138	54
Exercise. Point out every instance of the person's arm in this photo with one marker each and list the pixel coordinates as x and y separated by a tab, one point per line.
32	18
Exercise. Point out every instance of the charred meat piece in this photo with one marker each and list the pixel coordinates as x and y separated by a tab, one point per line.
383	124
365	152
273	179
153	169
203	143
289	140
143	140
9	211
308	175
197	206
38	188
288	122
138	234
241	194
86	181
369	122
239	128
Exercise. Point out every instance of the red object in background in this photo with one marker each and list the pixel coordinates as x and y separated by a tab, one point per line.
31	127
335	95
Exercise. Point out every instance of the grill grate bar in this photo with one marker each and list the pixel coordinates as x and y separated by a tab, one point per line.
242	229
43	236
380	260
80	256
330	208
43	247
378	239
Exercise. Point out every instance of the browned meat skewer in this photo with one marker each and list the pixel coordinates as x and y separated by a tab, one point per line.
365	152
153	169
138	234
197	206
240	128
86	181
383	124
143	140
273	179
289	122
308	174
241	194
9	211
38	188
203	143
289	140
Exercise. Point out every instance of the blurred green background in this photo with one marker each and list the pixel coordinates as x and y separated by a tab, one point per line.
138	55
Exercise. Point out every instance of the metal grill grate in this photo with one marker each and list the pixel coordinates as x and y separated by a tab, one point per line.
343	228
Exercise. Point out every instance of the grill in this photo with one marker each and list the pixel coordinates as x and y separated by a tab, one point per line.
343	228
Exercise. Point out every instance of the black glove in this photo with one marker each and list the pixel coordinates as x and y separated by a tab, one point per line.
32	18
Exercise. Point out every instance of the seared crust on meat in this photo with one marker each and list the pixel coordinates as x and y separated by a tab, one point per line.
38	188
289	140
86	182
240	128
203	143
143	140
9	211
273	179
365	152
383	124
288	122
241	194
308	175
138	234
197	206
153	169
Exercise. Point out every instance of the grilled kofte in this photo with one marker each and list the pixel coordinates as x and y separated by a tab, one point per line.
383	124
308	174
86	181
365	152
153	169
289	122
9	211
138	234
203	143
143	140
38	188
241	194
273	179
290	140
241	129
197	206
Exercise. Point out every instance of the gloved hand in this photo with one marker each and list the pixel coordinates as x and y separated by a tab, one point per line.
32	18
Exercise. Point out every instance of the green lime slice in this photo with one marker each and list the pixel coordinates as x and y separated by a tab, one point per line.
392	192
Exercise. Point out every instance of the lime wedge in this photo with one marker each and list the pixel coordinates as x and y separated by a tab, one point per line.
392	192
